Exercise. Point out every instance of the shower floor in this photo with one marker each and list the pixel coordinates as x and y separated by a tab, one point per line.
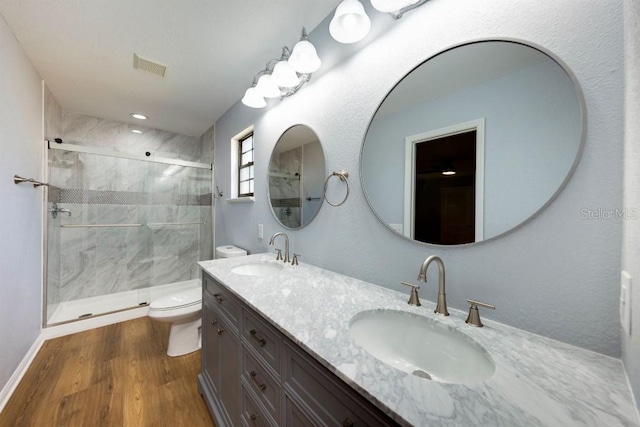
103	304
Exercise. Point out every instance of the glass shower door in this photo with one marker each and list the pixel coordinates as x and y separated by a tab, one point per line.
119	230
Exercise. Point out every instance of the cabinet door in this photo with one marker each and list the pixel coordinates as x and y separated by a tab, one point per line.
326	396
296	417
211	348
229	390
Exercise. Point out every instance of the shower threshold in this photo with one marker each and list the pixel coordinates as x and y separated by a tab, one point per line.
87	308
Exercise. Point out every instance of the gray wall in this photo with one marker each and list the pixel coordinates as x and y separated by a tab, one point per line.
631	239
21	217
557	275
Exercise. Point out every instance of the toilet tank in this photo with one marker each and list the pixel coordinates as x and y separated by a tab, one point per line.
229	251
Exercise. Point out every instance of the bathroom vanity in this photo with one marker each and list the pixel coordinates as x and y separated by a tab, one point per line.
277	350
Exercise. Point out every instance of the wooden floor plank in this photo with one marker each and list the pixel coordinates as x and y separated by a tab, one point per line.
118	375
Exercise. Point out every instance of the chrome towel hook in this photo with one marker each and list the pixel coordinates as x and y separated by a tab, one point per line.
343	175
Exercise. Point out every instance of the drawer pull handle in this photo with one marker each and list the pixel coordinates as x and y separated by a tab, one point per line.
220	331
218	298
254	335
347	423
214	322
260	386
253	417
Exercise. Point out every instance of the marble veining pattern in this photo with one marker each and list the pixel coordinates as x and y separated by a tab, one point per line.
537	382
101	189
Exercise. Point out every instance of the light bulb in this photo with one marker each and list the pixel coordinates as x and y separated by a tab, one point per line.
304	58
284	76
391	5
253	99
266	87
350	23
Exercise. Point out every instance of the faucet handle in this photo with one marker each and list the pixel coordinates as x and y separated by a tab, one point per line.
294	261
413	298
279	255
473	319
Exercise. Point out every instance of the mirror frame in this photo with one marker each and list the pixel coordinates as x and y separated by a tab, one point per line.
574	165
267	181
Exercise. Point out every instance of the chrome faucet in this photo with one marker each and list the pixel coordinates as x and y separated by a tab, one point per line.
55	210
441	306
286	244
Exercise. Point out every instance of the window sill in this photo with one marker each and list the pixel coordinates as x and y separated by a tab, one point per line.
241	200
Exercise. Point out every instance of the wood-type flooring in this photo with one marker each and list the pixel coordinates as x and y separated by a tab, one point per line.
117	375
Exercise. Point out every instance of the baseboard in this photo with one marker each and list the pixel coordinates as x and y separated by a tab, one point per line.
15	379
633	396
93	322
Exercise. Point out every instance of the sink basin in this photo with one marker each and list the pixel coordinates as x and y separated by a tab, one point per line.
259	269
421	346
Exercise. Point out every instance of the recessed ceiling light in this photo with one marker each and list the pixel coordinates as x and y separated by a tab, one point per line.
139	116
138	131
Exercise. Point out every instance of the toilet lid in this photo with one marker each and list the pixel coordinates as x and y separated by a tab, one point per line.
178	300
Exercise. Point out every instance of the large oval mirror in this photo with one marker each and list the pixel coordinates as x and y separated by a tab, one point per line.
296	177
472	143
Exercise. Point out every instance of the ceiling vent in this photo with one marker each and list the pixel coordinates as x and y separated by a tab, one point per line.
144	64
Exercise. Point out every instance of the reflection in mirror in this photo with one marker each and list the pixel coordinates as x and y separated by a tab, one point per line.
472	143
296	177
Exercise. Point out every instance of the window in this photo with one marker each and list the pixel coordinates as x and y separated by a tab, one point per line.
245	166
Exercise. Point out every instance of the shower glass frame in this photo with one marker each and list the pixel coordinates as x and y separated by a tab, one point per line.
98	151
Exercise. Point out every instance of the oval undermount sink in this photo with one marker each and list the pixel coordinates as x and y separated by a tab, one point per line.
259	269
421	346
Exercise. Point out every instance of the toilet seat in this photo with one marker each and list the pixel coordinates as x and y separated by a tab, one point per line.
184	299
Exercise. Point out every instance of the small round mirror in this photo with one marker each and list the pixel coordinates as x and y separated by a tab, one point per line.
296	177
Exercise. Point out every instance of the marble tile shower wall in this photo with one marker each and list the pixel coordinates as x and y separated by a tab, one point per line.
106	190
206	213
284	192
81	129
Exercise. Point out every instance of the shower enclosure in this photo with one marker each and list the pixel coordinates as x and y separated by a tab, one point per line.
121	229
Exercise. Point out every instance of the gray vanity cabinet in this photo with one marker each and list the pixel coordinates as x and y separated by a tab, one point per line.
218	381
252	375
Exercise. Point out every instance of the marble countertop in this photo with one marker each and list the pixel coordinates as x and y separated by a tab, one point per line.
537	381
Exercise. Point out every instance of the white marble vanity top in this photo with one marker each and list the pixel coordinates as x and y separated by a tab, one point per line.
537	381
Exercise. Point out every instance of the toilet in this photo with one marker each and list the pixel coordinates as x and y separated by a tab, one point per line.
229	251
183	310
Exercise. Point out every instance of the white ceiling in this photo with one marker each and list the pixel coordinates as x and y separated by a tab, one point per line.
83	49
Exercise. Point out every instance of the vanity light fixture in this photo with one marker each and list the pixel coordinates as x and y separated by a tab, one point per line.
139	116
396	8
285	76
350	23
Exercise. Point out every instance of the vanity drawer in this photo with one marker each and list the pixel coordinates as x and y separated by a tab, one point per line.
222	300
261	383
252	414
331	402
263	338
